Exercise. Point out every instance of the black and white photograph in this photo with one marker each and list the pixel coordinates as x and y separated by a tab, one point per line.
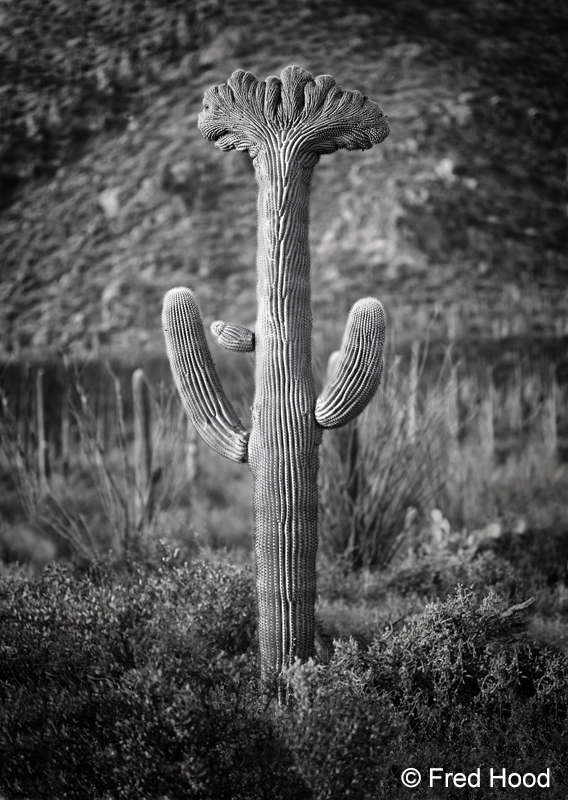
283	400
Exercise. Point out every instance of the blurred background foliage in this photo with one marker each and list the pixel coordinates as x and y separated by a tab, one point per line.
110	196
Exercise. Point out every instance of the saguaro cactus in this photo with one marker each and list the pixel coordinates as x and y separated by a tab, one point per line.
142	447
285	124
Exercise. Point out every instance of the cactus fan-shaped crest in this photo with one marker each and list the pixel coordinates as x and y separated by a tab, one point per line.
314	112
285	123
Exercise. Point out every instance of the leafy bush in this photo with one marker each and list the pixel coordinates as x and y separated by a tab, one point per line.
464	685
436	576
336	737
426	573
142	682
134	685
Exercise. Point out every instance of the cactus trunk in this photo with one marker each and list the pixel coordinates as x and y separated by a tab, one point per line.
285	436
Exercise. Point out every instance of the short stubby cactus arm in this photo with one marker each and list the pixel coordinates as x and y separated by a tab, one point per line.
233	337
196	377
358	368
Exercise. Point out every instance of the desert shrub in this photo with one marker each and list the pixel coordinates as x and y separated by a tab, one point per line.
400	464
435	576
224	615
94	510
336	736
541	553
455	654
429	576
435	561
464	683
134	684
143	682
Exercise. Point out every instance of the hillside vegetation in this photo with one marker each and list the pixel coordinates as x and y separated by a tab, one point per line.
110	196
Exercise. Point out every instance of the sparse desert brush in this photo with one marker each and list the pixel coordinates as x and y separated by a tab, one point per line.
466	687
142	682
403	445
432	563
94	507
133	683
440	559
436	576
337	737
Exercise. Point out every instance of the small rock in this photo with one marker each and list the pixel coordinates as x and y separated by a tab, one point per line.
445	170
108	200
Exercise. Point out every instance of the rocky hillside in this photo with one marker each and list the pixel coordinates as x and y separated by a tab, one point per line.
111	196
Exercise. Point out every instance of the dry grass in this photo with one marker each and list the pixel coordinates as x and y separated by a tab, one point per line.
91	509
369	504
415	454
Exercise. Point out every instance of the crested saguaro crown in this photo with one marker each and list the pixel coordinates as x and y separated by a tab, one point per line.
286	124
314	116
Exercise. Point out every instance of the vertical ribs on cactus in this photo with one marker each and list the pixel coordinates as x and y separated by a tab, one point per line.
286	124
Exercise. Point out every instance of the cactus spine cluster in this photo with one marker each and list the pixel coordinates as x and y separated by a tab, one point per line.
285	124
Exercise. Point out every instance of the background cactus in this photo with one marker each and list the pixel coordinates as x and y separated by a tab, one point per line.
347	446
285	123
142	447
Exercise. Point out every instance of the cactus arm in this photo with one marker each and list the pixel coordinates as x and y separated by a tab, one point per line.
196	377
232	336
358	369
